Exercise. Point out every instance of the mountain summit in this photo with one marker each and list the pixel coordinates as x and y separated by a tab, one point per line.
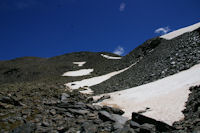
154	88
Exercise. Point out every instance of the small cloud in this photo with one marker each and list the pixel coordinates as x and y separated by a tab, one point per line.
122	7
162	30
119	50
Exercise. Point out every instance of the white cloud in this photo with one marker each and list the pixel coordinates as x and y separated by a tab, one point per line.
162	30
122	7
119	50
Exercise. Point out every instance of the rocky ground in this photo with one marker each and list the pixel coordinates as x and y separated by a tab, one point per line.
33	98
158	58
191	123
49	109
42	108
28	69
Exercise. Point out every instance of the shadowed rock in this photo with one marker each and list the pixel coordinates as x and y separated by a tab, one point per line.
160	126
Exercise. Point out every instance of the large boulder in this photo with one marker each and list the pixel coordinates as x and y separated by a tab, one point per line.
160	126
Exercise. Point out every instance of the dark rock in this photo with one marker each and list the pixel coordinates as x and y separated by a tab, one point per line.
52	111
104	97
134	125
191	122
60	110
196	130
88	128
5	106
125	130
105	116
45	123
63	105
9	100
77	106
148	128
113	110
92	116
160	126
25	128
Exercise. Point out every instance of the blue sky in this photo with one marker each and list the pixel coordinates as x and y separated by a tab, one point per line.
47	28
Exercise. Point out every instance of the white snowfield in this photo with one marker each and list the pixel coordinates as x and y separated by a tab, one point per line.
111	57
165	97
181	31
79	63
81	72
86	83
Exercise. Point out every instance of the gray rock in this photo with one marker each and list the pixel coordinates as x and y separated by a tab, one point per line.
148	127
134	125
117	126
79	112
64	97
88	128
119	119
196	130
45	124
102	98
125	130
160	126
105	116
9	100
113	110
52	111
25	128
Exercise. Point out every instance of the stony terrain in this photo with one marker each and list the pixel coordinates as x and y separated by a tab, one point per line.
158	58
33	97
49	109
191	123
28	69
42	108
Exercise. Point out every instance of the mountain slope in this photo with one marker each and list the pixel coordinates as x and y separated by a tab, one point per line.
164	98
28	69
43	94
158	58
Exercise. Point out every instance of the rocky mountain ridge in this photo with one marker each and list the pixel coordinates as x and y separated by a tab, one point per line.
33	97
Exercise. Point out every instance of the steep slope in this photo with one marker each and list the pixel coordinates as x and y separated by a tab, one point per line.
33	97
164	98
158	58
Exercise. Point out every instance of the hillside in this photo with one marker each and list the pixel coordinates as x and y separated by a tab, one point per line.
154	88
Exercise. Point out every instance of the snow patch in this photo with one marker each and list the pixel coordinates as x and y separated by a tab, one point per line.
111	57
81	72
86	83
165	98
79	63
181	31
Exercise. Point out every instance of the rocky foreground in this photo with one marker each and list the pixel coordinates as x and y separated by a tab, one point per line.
50	109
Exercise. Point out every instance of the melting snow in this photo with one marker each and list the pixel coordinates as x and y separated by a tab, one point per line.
81	72
165	97
86	83
110	57
79	63
181	31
